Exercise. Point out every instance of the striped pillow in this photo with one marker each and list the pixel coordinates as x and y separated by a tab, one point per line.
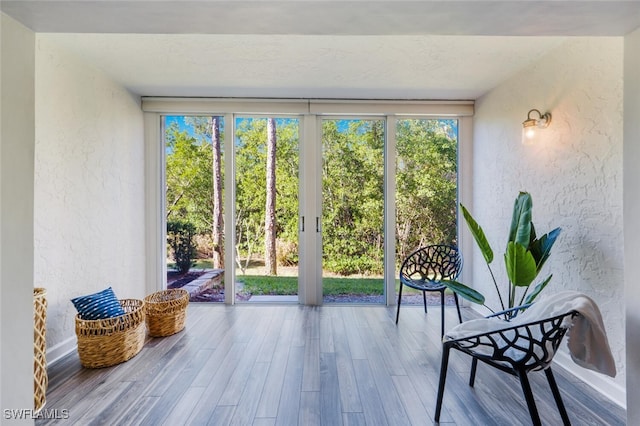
98	305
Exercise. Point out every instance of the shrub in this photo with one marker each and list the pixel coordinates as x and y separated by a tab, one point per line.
286	253
349	265
180	238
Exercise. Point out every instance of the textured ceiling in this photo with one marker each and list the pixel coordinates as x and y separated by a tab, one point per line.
355	17
319	49
382	67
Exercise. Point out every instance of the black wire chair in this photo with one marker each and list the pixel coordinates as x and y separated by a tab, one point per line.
516	350
426	268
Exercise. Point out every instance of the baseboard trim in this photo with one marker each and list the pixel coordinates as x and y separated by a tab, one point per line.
55	353
601	383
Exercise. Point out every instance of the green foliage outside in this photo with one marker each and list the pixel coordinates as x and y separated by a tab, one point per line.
353	182
353	185
426	184
180	238
189	176
353	204
250	160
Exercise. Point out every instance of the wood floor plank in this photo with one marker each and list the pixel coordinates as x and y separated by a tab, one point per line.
203	378
391	403
312	322
356	346
241	373
248	403
270	340
309	408
353	419
584	400
349	397
330	406
373	413
184	407
326	337
94	406
142	384
289	405
221	415
264	421
217	384
380	343
270	398
180	381
298	337
138	411
464	406
289	364
311	372
416	411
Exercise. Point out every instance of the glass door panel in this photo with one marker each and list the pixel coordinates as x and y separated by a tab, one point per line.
426	187
353	210
194	170
266	224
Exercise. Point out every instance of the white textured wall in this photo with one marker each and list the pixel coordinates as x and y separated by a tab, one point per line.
16	215
89	187
631	223
574	175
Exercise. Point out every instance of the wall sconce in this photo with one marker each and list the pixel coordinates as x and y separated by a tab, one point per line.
531	126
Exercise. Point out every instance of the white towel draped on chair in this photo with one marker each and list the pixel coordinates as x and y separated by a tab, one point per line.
587	338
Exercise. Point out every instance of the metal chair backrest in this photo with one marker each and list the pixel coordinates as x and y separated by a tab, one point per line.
432	263
530	346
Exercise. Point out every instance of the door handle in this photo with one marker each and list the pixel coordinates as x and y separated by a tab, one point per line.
317	224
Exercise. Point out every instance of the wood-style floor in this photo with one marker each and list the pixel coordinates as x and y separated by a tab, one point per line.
302	365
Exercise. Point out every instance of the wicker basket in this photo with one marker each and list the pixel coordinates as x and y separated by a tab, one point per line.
40	378
106	342
166	311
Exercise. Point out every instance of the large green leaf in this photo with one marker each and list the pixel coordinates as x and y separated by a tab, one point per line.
537	289
465	291
541	248
478	235
520	230
520	264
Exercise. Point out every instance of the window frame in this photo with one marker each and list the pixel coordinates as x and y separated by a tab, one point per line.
310	112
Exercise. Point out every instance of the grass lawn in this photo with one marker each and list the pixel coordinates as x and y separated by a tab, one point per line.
288	285
333	286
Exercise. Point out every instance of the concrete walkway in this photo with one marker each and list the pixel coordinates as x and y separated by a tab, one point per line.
207	280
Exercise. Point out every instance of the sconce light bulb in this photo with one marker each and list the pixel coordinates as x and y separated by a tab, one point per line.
530	133
530	126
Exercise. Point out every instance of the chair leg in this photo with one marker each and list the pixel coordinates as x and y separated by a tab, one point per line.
399	300
443	378
556	395
455	297
528	396
474	367
424	299
442	313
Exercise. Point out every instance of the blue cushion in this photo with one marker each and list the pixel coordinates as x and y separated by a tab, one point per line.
99	305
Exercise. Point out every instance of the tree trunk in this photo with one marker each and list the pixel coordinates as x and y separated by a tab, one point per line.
218	223
270	207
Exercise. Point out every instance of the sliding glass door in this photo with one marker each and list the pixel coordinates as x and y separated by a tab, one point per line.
266	209
310	207
194	177
353	210
426	181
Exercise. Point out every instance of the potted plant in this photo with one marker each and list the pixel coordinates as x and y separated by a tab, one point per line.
524	257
